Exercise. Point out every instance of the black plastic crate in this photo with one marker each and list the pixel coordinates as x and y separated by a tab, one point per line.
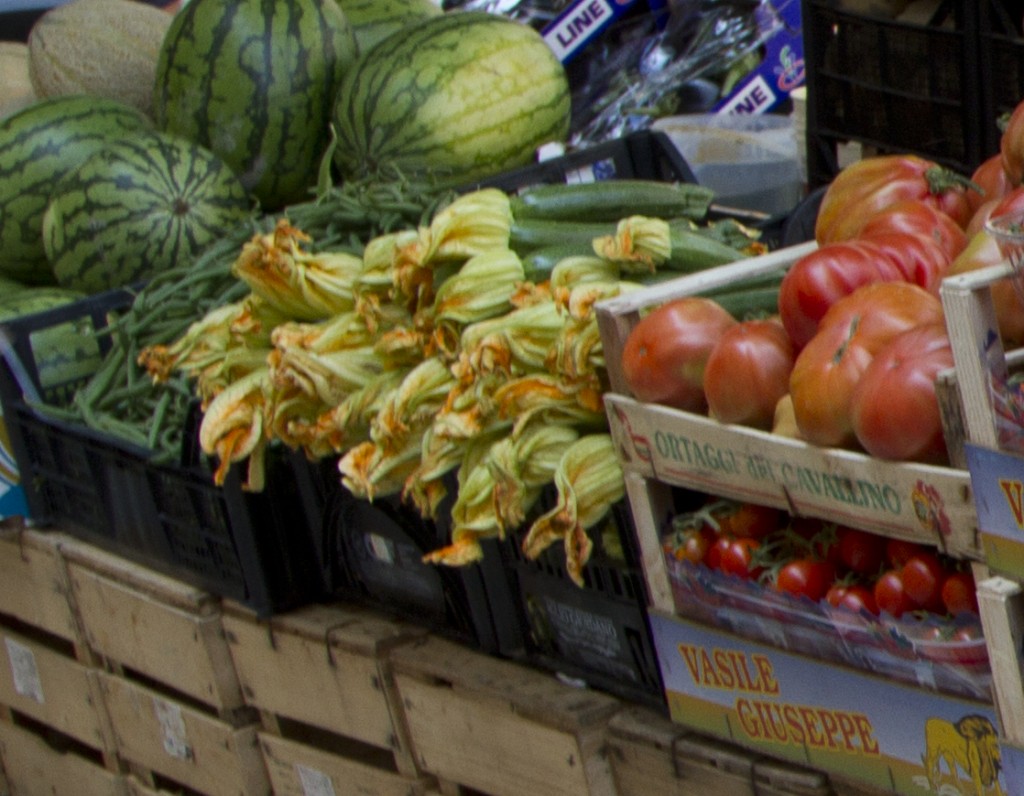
259	548
1001	66
597	633
380	544
892	86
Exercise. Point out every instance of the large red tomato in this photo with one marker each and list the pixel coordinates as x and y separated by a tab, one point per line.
919	258
981	252
852	332
820	278
922	218
748	372
894	409
868	186
1011	146
664	355
992	179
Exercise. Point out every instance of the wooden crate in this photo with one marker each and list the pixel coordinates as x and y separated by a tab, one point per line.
39	760
498	727
134	619
650	754
34	585
165	739
320	680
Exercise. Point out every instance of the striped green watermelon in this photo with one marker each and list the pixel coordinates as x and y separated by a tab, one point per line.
38	146
465	95
254	81
373	20
64	353
138	207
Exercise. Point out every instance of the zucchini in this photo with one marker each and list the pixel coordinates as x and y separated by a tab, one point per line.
529	235
610	200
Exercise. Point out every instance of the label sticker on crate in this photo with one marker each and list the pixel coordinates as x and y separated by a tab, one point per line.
24	671
579	25
313	782
172	728
997	478
897	738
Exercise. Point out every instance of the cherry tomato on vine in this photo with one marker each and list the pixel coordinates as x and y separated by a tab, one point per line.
747	520
694	545
899	551
806	577
739	558
923	575
854	597
716	553
890	594
861	551
959	593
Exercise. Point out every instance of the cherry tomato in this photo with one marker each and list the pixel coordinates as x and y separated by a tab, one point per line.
872	184
899	551
890	594
828	368
664	355
993	180
820	278
921	218
1011	146
959	594
762	352
860	551
854	597
747	520
739	558
716	553
919	259
894	408
693	545
981	252
922	577
806	577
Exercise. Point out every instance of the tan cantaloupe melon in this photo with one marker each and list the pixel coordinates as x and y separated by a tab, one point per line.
106	48
16	90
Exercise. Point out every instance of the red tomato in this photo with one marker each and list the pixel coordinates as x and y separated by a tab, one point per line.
716	553
922	576
739	558
899	551
868	186
993	180
748	520
748	371
854	597
981	252
894	409
806	577
828	368
861	551
959	594
920	260
890	594
664	355
819	279
921	218
693	545
1011	146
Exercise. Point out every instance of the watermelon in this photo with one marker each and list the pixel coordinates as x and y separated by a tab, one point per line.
138	207
373	20
64	353
254	81
38	146
465	95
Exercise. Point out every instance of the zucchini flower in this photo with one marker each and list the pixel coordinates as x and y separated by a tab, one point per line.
305	286
555	399
481	289
583	269
233	428
407	410
369	472
589	482
639	245
518	342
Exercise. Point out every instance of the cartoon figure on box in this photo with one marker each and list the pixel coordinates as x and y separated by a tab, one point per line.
969	745
12	495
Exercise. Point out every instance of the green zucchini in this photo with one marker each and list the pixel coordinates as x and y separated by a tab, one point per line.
610	200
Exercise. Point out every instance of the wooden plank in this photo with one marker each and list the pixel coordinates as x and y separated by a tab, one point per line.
1001	603
649	503
182	743
33	766
33	581
499	727
323	665
54	689
142	620
298	769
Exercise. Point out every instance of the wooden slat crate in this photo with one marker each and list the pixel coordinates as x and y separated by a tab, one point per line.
674	448
163	739
143	622
38	760
319	678
498	727
650	754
